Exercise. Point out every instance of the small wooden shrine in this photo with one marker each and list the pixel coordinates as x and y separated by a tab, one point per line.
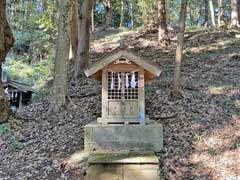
123	74
18	94
123	141
123	124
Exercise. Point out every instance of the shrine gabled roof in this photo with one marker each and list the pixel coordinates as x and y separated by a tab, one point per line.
118	54
20	86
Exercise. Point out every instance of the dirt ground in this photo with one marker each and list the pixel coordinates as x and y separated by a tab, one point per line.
201	130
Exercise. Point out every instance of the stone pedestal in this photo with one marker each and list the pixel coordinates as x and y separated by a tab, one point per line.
123	167
118	137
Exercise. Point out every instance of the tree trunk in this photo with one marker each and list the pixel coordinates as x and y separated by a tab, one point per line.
179	51
199	14
6	42
108	12
238	6
221	22
84	38
26	10
74	33
59	89
162	28
131	13
212	13
92	16
234	14
122	14
205	24
54	14
190	14
44	5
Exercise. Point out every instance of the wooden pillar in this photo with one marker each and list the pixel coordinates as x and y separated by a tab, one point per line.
141	98
104	93
123	103
20	101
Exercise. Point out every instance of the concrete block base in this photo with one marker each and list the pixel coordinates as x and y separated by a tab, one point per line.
118	137
123	167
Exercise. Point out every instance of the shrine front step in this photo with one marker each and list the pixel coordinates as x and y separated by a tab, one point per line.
118	137
112	167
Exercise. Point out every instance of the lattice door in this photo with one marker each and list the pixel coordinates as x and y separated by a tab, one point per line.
123	94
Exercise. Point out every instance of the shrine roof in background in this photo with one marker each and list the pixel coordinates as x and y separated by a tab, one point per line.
20	86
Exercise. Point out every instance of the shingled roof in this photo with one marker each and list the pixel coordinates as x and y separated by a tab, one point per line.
20	86
119	53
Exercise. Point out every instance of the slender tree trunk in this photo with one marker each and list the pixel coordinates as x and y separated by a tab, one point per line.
212	13
13	9
122	14
27	10
234	14
162	28
238	10
74	33
84	38
44	5
221	22
205	24
179	51
199	14
131	12
92	16
59	89
6	42
190	14
108	12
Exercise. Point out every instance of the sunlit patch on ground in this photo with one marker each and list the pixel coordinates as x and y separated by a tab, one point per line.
215	45
237	36
219	152
225	90
237	104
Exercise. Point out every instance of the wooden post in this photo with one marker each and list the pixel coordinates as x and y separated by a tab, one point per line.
123	103
20	101
104	93
141	98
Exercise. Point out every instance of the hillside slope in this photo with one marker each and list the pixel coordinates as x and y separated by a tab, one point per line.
201	131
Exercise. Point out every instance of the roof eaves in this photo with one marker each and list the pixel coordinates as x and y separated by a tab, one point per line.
104	61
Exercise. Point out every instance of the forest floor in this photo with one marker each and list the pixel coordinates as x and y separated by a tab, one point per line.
201	131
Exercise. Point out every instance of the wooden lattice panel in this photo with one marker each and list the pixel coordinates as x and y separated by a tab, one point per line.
116	91
129	92
117	86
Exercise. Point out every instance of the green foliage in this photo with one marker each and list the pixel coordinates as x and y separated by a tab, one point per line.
46	19
6	133
34	29
148	11
34	26
4	129
173	9
211	151
31	74
137	15
116	12
99	14
198	136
